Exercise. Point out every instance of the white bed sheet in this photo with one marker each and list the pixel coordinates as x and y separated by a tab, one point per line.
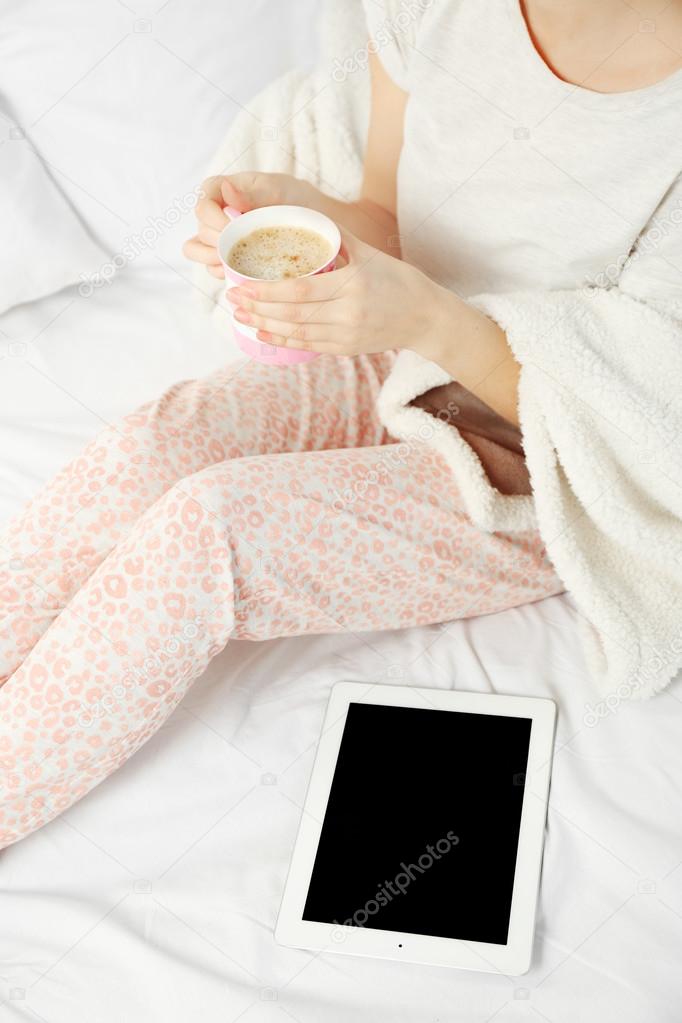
155	897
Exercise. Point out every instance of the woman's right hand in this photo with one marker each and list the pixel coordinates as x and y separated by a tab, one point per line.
246	191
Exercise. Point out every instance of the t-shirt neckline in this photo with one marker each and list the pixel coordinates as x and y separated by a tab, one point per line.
576	93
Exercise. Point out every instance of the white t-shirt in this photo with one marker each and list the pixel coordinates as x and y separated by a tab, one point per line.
511	179
522	192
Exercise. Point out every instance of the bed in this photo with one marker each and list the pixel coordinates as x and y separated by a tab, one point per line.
155	897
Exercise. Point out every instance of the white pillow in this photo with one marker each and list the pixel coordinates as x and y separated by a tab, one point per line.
127	102
45	246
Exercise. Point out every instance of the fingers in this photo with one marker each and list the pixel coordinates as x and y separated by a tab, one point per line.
235	192
326	344
209	210
287	312
217	193
319	288
208	235
308	330
196	250
316	337
210	187
250	190
240	191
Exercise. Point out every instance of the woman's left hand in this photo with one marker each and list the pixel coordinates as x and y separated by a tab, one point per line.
374	303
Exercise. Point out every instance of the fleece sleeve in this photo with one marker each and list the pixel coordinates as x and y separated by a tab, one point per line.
601	414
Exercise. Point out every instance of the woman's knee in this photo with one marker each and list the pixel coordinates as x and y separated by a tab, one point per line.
190	513
203	494
241	502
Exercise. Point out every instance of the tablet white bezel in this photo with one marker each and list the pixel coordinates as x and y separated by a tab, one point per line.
511	959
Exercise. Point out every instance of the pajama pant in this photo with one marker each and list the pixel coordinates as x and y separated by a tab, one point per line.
260	502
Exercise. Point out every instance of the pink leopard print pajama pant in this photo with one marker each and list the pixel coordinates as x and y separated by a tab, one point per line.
257	503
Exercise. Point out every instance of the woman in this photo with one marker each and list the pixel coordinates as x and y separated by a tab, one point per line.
264	502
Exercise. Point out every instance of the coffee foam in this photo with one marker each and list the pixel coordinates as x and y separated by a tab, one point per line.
274	253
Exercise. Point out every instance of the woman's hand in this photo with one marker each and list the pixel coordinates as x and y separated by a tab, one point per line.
244	192
375	303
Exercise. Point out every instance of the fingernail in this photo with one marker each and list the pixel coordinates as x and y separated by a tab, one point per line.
263	335
242	316
231	297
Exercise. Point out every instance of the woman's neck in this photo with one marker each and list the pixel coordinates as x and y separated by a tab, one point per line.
607	45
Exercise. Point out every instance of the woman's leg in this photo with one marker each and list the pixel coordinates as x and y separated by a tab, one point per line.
246	408
255	548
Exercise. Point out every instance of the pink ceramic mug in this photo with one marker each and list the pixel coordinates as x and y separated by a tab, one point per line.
242	224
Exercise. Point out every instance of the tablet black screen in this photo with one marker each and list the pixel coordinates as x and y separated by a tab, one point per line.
422	824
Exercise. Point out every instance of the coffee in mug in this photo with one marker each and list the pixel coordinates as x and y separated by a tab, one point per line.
277	252
276	222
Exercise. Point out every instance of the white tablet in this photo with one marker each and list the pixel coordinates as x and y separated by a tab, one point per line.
421	835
